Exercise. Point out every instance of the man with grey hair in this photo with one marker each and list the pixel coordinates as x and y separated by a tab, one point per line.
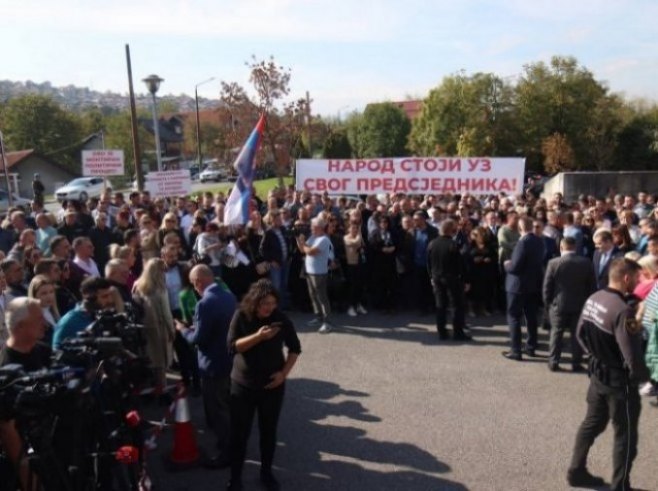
318	252
26	326
117	273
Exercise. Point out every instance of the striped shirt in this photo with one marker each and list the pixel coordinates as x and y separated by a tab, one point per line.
650	309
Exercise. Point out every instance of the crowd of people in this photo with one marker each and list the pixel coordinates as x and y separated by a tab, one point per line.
200	285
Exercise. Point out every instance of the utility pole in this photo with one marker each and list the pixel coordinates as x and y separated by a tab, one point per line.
308	124
133	125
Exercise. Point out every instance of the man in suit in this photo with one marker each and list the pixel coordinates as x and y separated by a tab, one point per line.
175	274
523	286
423	235
446	269
605	252
569	281
212	317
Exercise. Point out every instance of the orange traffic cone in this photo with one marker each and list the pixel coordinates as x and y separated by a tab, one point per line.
185	451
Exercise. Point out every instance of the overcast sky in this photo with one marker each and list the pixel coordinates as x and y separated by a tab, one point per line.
347	53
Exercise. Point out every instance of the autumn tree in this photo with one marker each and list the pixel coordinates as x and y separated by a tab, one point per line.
558	154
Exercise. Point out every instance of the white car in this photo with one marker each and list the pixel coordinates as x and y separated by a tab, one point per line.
15	201
82	188
212	175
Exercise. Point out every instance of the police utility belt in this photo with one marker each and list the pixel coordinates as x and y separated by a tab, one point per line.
607	375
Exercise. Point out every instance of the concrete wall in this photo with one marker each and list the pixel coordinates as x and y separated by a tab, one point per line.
52	177
600	184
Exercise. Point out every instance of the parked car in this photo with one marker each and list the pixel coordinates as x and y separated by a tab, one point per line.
212	174
15	201
81	189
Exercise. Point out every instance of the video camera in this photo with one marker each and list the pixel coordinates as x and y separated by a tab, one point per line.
114	342
37	393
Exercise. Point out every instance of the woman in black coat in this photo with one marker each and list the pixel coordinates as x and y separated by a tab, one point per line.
256	337
382	252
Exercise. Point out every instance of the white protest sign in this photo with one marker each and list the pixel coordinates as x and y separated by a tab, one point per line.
169	183
412	175
102	163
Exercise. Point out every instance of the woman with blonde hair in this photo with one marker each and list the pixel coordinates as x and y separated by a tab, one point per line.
648	276
42	288
170	225
150	293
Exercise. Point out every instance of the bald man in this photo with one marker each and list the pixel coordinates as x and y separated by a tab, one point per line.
212	317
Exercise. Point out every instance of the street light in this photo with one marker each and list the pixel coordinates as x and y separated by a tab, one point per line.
198	125
153	84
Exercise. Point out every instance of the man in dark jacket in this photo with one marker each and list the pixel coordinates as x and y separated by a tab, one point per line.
446	269
274	250
212	318
523	284
423	235
611	335
568	282
606	252
101	238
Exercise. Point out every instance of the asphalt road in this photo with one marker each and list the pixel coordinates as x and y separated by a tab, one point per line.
380	404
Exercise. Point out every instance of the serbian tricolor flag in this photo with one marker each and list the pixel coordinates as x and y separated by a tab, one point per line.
236	211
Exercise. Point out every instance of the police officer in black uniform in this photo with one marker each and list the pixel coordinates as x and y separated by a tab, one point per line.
608	331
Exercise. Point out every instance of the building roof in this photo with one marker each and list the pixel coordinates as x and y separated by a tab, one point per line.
411	107
14	158
167	130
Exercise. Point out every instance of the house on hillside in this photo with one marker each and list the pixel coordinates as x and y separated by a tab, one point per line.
22	166
171	137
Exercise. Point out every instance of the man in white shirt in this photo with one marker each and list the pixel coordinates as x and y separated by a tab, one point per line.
318	253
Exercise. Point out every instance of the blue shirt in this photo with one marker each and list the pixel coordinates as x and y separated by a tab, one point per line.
75	321
43	239
319	263
420	248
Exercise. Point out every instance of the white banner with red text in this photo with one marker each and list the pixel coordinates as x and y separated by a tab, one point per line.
98	163
412	175
168	183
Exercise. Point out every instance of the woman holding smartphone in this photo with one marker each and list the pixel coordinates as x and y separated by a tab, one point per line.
257	334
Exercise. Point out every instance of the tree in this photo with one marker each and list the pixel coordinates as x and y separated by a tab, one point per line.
118	135
37	122
558	154
337	145
637	141
466	115
564	98
382	131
